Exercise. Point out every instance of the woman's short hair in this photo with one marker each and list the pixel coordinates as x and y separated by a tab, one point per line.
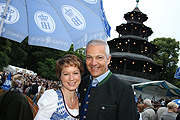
100	42
66	61
17	80
171	105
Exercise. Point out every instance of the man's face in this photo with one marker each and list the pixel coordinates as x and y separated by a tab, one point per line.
96	60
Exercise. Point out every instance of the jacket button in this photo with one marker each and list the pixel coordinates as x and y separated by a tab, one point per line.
84	89
103	108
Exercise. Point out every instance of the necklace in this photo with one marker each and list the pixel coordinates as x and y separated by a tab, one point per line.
69	99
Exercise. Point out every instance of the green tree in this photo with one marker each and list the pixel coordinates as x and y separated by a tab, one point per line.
167	56
18	54
5	50
46	69
4	60
5	45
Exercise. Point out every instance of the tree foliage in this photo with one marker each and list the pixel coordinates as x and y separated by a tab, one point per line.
18	54
46	69
5	50
4	60
167	56
38	59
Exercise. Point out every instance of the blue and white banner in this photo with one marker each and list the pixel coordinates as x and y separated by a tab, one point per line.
7	83
177	74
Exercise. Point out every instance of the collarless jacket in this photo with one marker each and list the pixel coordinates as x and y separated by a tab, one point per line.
113	99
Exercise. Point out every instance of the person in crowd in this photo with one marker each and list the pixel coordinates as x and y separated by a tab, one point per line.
162	101
13	104
34	89
4	77
156	105
38	95
44	85
25	86
103	96
172	112
62	104
148	113
162	109
40	85
140	108
153	99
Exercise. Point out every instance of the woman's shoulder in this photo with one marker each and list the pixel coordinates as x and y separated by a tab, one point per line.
50	91
48	97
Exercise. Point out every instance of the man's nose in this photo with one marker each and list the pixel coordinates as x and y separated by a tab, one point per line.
94	61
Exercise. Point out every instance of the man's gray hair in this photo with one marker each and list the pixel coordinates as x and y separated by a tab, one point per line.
148	102
100	42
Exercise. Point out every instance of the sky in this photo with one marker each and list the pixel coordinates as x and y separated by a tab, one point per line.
163	16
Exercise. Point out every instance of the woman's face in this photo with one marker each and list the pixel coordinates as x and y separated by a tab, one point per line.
175	109
70	77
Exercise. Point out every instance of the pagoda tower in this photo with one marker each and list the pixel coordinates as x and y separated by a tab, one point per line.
132	54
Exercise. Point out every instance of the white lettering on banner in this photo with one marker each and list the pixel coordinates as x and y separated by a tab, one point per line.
14	34
44	21
41	39
91	1
12	15
48	40
87	37
59	42
74	17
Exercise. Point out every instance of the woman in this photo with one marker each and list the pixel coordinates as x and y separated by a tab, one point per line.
62	103
172	112
38	95
13	104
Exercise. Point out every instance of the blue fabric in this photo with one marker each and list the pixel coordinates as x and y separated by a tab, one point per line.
84	105
177	74
177	101
7	83
55	24
34	99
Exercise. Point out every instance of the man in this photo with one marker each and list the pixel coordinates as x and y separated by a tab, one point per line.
148	113
163	109
34	89
103	96
156	105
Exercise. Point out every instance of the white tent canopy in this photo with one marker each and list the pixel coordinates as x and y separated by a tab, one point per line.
14	70
159	89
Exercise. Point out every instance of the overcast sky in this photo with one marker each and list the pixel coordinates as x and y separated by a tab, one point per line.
163	16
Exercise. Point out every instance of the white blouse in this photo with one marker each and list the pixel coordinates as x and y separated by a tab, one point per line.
48	105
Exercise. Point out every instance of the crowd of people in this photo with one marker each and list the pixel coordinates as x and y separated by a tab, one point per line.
162	109
98	96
